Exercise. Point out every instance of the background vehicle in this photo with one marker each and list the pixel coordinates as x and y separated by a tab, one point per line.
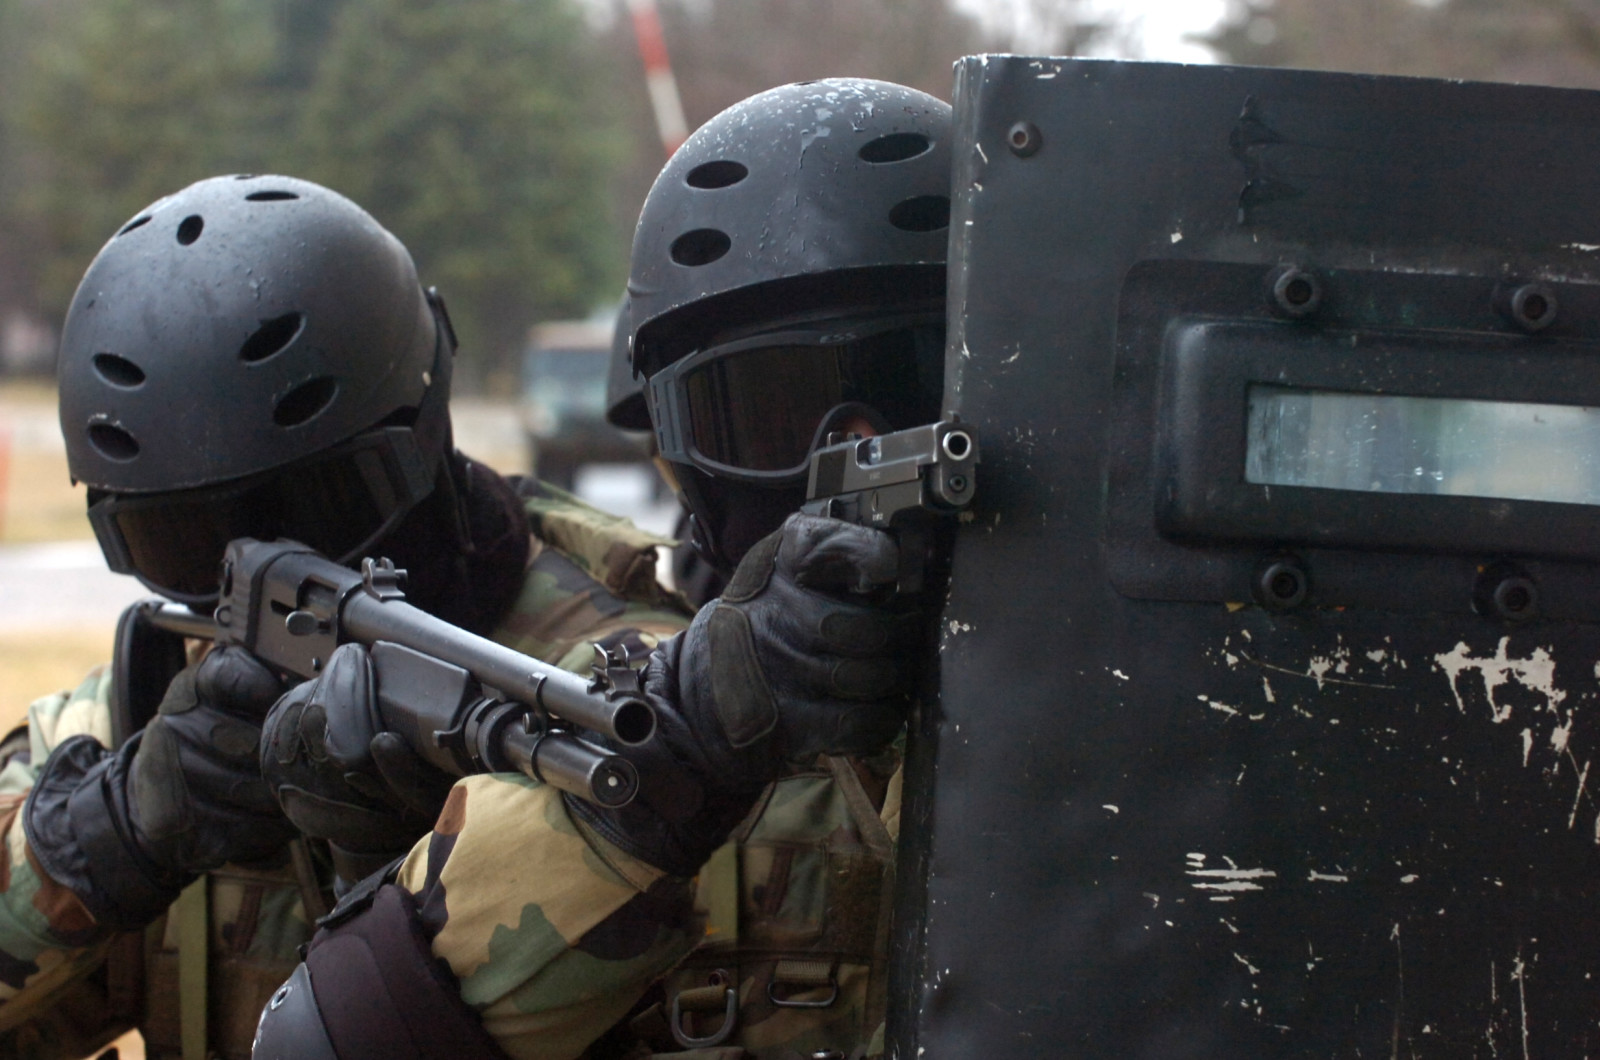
563	402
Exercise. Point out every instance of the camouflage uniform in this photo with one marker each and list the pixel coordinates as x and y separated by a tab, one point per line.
790	916
553	933
796	908
67	990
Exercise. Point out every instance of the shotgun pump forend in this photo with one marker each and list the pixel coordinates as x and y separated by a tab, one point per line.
464	703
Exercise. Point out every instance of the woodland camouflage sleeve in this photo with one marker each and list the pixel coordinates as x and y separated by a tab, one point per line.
553	934
563	609
49	944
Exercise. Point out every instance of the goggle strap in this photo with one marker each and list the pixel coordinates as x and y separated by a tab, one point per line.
668	414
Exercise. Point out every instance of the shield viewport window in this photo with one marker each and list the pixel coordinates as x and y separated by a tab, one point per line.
1423	445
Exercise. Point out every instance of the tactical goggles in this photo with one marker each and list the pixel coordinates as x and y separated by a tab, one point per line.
339	502
754	409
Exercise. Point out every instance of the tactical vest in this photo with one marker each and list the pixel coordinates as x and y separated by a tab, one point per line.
797	908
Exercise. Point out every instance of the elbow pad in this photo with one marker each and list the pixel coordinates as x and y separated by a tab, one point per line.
371	986
291	1025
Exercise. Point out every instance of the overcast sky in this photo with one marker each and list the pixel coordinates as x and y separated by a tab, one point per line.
1163	24
1158	26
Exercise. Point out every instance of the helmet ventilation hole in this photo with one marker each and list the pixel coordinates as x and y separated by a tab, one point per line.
270	196
723	173
304	402
112	442
118	371
924	213
895	147
189	228
137	222
272	337
701	246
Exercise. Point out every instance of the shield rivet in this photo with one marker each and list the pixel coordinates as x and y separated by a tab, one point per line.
1281	584
1023	139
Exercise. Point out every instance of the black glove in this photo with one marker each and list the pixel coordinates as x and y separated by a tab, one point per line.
801	656
125	831
340	777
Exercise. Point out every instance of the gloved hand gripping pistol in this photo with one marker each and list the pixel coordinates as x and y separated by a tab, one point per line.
462	702
903	481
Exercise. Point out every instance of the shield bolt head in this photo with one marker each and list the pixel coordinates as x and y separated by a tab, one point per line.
1024	139
1532	307
1281	584
1296	292
1507	592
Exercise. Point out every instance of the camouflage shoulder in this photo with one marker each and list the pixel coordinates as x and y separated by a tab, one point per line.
85	710
590	579
558	618
609	548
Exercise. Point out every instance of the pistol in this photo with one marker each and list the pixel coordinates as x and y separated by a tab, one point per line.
905	482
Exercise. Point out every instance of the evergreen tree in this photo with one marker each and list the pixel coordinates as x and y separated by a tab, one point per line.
479	132
115	103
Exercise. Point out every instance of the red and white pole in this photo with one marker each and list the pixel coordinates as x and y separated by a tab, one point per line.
658	79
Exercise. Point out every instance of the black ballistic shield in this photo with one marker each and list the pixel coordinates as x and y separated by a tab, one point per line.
1269	666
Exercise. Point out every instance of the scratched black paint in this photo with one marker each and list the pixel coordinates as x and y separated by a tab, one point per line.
1151	818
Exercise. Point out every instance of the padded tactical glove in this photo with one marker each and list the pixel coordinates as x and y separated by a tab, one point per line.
125	831
802	655
340	777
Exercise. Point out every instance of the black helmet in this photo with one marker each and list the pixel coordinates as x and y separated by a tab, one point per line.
800	182
788	270
625	408
250	356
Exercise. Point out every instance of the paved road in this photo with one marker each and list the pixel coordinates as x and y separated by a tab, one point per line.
66	585
61	585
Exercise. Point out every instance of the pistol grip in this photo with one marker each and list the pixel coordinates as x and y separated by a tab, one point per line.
913	547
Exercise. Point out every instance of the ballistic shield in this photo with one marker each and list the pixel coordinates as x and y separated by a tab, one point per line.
1269	663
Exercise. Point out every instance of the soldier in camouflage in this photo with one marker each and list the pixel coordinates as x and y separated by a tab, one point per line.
254	355
787	282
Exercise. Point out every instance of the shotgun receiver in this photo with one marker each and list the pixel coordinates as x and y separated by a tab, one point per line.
462	702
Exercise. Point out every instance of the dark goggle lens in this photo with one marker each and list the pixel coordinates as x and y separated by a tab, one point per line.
759	409
178	546
335	505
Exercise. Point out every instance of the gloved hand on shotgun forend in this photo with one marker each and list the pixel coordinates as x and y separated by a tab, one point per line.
340	777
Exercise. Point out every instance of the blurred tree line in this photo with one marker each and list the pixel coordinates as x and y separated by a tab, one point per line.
476	130
1548	42
508	143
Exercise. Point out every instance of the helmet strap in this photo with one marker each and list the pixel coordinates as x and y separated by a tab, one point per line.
464	546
